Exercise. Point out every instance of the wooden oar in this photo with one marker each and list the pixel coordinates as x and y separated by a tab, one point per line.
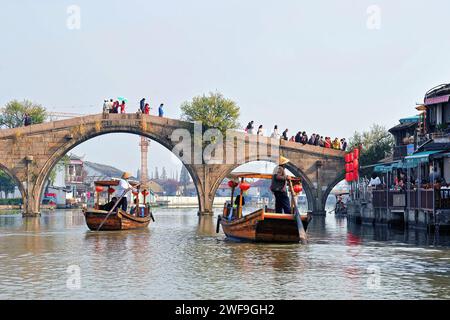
301	229
112	209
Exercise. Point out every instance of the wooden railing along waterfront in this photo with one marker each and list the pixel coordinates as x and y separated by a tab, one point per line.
423	199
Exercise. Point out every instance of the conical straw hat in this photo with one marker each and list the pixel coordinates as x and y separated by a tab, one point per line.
282	161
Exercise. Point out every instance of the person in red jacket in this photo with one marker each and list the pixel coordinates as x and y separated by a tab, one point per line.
115	108
147	109
122	107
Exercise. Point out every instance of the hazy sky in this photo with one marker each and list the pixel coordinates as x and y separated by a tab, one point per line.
313	66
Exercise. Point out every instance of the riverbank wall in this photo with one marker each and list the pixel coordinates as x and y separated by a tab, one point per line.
363	212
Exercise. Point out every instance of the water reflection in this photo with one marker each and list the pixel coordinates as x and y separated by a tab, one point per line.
180	256
416	237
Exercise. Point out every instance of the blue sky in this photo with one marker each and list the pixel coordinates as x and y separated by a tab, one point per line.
311	66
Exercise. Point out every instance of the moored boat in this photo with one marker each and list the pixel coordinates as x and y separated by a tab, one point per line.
263	225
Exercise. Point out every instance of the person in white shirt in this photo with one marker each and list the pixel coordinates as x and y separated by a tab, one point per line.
123	187
374	180
275	134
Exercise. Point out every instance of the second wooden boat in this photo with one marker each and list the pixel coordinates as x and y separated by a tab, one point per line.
107	217
119	220
263	225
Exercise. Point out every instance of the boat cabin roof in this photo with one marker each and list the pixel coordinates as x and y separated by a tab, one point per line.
254	175
112	183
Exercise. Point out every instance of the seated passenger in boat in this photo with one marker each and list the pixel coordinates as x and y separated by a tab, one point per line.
108	206
134	207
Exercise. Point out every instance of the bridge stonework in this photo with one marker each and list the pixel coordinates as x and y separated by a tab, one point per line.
28	154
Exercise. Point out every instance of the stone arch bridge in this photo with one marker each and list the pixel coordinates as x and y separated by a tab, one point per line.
28	154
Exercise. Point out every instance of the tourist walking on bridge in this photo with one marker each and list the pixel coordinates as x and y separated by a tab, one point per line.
285	135
161	110
27	120
249	129
275	133
142	105
343	144
260	131
122	107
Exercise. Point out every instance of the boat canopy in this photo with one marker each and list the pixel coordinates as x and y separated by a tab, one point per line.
254	175
112	183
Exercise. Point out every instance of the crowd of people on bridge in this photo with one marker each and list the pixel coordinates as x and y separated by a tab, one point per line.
300	137
119	105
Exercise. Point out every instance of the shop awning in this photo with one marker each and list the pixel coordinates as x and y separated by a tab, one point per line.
383	168
441	155
418	158
436	100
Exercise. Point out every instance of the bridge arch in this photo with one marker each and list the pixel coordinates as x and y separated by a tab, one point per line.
331	187
72	143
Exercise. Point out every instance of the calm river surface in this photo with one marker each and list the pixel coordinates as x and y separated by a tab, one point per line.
181	257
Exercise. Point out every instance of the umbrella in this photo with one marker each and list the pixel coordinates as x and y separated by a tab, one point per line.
122	99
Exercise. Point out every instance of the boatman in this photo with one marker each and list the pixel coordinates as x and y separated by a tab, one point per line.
124	187
278	187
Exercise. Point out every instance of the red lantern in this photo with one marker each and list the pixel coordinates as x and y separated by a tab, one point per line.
298	188
349	177
349	167
232	184
355	175
145	193
111	190
355	164
356	153
349	157
135	193
244	186
99	189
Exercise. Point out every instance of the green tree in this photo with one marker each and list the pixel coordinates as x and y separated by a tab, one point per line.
213	110
185	179
376	144
7	184
60	166
13	114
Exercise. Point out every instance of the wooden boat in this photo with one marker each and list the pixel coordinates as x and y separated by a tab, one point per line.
340	209
119	220
263	225
101	219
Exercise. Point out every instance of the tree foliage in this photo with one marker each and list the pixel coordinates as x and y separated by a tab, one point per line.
376	144
7	184
60	166
13	114
213	110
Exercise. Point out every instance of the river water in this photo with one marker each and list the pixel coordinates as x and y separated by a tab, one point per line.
181	257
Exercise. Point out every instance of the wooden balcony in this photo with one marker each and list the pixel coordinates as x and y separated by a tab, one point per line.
400	152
